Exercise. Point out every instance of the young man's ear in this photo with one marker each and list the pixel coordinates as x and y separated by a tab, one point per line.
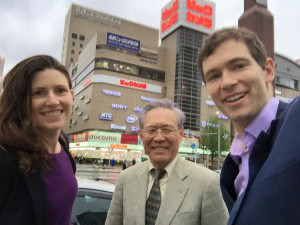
269	70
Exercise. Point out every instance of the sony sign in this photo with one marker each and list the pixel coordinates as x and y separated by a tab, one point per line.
118	106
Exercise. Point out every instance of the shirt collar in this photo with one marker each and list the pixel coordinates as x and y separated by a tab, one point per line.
169	168
261	122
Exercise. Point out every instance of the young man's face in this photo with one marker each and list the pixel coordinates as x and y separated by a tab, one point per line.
236	83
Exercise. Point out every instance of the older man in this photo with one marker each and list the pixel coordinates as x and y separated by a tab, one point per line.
166	189
260	178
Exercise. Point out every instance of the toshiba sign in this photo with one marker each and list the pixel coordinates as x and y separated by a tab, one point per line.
195	14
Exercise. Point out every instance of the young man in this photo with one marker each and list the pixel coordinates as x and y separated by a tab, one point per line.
260	178
181	192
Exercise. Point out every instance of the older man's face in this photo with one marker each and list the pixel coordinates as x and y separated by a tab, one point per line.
162	149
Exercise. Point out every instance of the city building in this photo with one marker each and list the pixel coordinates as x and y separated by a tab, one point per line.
117	66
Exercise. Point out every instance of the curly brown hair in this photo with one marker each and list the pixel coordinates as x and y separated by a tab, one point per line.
251	40
17	132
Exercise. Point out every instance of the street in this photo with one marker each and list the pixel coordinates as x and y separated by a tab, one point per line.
96	171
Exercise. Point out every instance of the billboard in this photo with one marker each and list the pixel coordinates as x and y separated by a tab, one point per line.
126	43
195	14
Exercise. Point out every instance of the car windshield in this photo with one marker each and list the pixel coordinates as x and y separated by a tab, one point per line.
90	207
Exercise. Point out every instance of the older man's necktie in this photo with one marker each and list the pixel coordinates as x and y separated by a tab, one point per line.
154	199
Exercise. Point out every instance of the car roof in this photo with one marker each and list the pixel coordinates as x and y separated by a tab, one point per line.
95	185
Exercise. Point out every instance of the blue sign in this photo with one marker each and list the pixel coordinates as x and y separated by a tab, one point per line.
193	146
123	42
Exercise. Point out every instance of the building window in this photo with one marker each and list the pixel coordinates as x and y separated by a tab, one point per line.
121	67
81	45
79	52
81	37
71	59
287	82
72	51
74	36
73	43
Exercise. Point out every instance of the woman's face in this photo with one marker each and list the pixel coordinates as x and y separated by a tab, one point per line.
51	99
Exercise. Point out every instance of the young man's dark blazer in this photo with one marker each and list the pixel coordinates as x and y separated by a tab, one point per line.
23	199
272	196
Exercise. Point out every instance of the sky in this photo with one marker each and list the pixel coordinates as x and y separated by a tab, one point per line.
31	27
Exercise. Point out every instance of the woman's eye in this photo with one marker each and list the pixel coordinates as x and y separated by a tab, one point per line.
38	93
62	90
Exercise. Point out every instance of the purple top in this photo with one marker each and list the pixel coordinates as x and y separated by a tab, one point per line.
61	187
242	144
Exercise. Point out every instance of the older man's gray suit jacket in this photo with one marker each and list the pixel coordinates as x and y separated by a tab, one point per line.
192	197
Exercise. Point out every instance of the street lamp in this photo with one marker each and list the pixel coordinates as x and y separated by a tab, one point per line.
219	141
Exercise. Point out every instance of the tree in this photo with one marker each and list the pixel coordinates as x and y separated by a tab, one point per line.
209	137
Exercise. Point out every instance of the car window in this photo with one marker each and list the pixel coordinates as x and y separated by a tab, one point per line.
90	207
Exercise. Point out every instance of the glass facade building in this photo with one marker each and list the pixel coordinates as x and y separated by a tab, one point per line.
188	80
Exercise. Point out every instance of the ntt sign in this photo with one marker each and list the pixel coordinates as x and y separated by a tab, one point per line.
198	15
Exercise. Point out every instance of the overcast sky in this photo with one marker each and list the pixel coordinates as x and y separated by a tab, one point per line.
32	27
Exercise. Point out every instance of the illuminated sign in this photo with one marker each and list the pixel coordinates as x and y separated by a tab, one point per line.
208	124
111	93
134	129
195	14
112	80
199	14
105	116
222	116
118	127
131	119
169	16
118	146
146	99
210	103
123	42
80	137
118	106
104	137
137	109
133	84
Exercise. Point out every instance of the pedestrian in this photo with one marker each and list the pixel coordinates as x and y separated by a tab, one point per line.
133	162
113	162
124	164
260	178
38	186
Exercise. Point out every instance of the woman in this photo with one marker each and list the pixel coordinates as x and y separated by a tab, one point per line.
37	181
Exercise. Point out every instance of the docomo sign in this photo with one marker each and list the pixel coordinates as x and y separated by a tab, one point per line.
105	137
195	14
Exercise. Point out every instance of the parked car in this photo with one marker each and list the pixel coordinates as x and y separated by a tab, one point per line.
92	202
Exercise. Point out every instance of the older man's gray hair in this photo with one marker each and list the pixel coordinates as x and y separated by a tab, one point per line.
165	104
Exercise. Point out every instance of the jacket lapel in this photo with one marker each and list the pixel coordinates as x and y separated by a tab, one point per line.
229	172
175	193
37	190
258	157
139	194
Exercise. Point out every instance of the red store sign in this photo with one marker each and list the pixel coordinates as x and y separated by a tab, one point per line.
197	14
133	84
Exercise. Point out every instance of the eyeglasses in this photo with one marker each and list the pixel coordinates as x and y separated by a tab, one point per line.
165	131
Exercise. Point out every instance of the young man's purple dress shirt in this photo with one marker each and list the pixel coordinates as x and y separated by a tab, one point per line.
242	144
